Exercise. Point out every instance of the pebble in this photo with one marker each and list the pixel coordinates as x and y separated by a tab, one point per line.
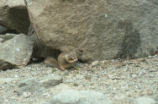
26	94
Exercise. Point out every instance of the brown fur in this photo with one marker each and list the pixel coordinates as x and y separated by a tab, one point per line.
64	61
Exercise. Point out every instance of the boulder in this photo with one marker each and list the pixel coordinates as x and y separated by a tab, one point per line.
13	14
1	100
40	50
39	84
4	30
97	29
15	50
79	97
30	85
51	80
144	100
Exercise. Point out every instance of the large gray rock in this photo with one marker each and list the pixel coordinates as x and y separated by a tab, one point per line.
13	14
3	29
99	29
15	50
51	80
29	85
80	97
39	84
1	100
40	50
144	100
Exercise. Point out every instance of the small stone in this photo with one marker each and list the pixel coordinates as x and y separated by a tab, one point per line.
144	100
87	77
134	75
26	94
94	63
51	80
75	84
46	94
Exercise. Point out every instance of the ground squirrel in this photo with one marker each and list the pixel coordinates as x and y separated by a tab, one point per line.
65	60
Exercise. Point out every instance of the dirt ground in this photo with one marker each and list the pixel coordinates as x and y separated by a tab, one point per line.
121	80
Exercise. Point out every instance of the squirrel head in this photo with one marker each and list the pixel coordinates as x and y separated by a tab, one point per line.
71	57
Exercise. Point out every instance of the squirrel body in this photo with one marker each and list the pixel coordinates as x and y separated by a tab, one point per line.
64	61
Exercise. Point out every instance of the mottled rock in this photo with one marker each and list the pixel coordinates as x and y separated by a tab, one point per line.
1	100
99	29
13	14
59	88
51	80
29	85
40	50
38	84
144	100
16	50
80	97
7	80
2	29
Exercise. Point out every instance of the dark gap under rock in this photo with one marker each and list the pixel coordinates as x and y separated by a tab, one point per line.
4	30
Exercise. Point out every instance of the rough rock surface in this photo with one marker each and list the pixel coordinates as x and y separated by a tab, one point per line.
13	14
1	101
15	50
38	84
2	29
40	50
80	97
99	29
29	86
51	80
144	100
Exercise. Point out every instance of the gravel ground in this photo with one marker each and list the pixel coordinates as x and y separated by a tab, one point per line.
120	80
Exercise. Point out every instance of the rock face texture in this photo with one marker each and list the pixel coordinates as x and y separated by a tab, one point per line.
1	100
15	50
144	100
2	29
98	29
51	80
13	14
80	97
